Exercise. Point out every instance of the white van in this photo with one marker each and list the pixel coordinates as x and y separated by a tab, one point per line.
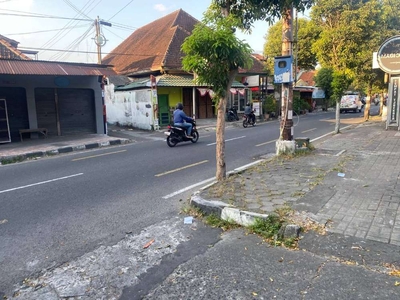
351	101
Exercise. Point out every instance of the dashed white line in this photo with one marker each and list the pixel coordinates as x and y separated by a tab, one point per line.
39	183
236	138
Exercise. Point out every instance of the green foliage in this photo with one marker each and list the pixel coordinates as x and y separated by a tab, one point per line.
268	227
270	105
323	79
306	36
249	11
214	221
300	105
215	54
340	83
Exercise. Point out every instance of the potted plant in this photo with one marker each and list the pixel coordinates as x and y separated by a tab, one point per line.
269	106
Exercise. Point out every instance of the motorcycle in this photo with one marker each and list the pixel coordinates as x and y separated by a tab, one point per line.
232	114
177	134
248	120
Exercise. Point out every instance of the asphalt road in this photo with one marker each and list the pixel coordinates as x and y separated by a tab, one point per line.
62	207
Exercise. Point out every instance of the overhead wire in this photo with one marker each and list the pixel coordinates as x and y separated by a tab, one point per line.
56	38
41	31
69	3
73	44
120	10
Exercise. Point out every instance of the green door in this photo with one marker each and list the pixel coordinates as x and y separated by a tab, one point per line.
163	110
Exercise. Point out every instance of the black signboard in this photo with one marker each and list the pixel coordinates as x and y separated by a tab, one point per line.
393	108
389	55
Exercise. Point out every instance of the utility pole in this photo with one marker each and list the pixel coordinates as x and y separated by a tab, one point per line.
286	144
100	40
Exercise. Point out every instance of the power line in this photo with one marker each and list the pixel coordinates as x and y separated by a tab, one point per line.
76	9
41	31
62	33
92	52
114	33
120	10
44	17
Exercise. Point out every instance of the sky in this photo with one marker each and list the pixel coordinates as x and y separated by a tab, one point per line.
46	32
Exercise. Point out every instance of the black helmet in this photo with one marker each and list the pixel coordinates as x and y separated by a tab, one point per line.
179	106
248	104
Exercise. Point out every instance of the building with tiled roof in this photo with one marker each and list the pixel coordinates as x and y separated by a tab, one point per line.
9	49
155	47
155	50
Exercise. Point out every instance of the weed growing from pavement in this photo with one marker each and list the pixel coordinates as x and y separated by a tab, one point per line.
214	221
15	159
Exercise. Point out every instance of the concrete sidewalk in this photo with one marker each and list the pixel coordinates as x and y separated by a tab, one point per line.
349	182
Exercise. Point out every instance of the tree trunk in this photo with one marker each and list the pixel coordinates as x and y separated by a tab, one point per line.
367	108
220	132
337	124
381	103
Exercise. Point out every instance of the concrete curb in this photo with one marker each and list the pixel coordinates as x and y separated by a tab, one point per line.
38	154
226	211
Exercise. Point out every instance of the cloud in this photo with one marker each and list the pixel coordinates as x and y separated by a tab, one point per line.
160	7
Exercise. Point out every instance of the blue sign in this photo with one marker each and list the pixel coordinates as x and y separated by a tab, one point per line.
283	67
61	81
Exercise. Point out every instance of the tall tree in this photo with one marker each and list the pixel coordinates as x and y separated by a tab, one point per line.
215	55
305	36
350	32
217	61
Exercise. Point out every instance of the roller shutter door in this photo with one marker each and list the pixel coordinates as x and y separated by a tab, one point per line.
77	111
74	108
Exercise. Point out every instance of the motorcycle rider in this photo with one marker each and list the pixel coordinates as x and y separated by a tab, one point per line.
248	111
179	120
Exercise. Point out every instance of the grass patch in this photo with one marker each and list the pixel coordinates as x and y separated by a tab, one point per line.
192	211
14	159
214	221
268	228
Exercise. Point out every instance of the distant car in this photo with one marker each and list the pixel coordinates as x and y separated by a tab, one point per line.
351	102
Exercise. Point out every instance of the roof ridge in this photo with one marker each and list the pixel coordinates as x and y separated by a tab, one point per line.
14	50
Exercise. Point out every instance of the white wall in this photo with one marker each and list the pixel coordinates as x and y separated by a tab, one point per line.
129	108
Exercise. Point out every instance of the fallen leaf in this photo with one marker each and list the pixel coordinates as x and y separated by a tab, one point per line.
281	260
3	221
245	248
254	294
272	280
148	244
397	283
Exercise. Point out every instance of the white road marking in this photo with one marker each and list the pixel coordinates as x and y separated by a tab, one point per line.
312	129
188	188
209	180
39	183
182	168
98	155
240	137
320	137
269	142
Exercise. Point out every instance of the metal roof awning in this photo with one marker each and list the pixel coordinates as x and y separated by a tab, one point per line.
34	67
168	80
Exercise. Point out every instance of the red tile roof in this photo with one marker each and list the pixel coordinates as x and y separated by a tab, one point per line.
8	49
257	68
157	47
35	67
153	46
306	78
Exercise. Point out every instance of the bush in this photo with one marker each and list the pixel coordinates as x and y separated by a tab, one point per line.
300	105
270	105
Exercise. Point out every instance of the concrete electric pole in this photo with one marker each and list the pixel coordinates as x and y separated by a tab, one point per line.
286	144
100	40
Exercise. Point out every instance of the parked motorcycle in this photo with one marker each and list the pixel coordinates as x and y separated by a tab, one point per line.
232	115
248	120
177	134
